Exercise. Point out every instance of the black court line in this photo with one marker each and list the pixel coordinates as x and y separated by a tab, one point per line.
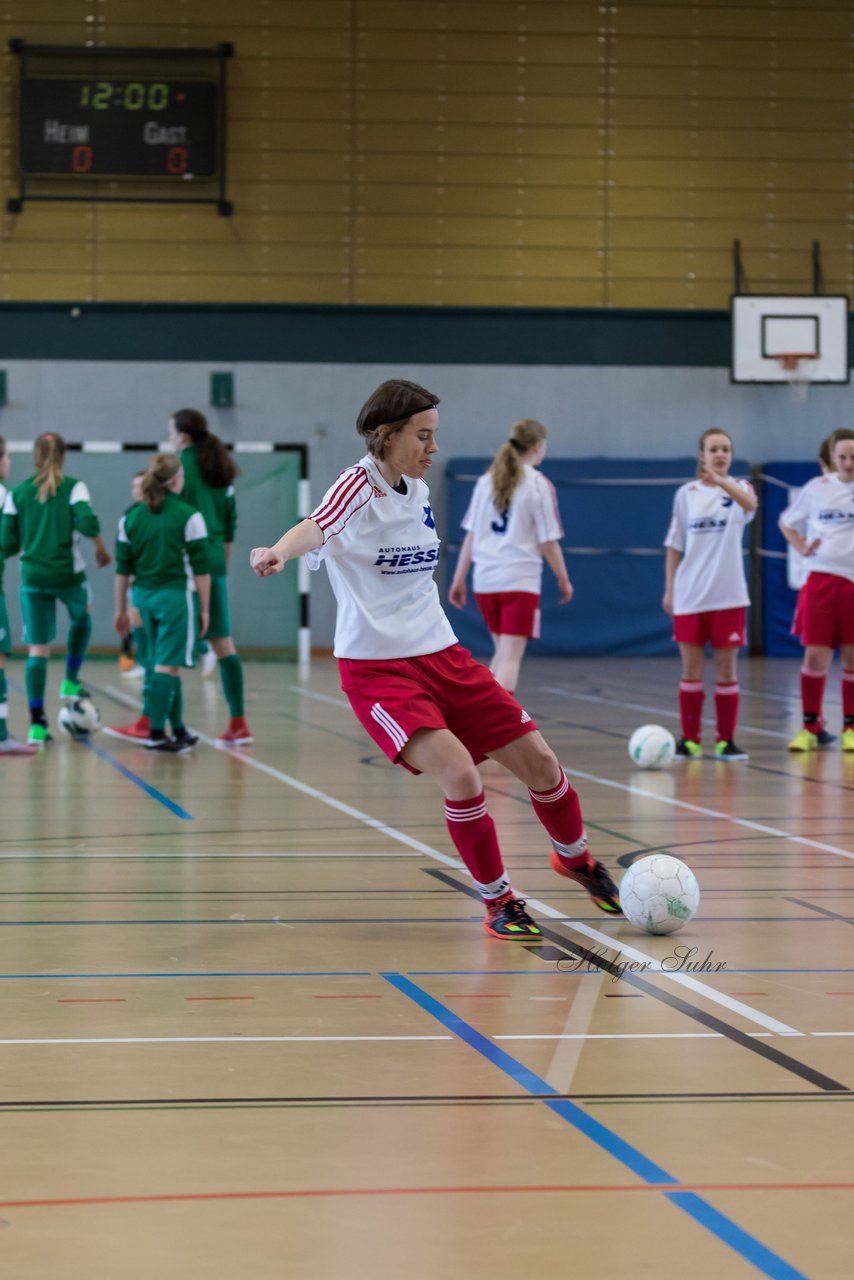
834	915
759	1047
770	1095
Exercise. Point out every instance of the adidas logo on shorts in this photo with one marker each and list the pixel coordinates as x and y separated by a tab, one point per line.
525	717
734	636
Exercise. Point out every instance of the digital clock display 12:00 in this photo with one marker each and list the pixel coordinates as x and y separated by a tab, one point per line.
117	127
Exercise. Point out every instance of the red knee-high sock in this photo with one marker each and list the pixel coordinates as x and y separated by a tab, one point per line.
559	810
812	696
691	698
726	709
473	833
848	698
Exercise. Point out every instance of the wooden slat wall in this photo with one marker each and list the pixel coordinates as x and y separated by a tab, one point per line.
474	152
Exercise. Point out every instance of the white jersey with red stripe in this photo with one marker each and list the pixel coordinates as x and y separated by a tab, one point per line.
381	549
824	509
506	548
707	527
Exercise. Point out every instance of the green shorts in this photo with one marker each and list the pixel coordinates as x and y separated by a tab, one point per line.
5	633
169	619
38	605
219	626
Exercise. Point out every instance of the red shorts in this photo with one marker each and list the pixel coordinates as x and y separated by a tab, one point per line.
393	697
824	614
510	613
798	619
723	628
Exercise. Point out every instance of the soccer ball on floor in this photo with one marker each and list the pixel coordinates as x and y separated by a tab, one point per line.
79	718
659	894
651	746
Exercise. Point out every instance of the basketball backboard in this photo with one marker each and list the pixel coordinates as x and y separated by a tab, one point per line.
770	332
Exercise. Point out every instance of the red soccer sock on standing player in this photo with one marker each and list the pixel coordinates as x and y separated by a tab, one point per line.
473	833
559	811
726	708
691	697
812	697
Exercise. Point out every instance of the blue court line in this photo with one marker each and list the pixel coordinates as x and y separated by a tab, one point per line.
144	786
727	1231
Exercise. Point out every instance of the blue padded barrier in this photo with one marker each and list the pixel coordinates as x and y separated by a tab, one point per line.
615	513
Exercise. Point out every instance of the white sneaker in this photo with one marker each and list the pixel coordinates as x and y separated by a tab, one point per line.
207	662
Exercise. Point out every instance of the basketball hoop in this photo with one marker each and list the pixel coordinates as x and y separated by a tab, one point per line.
795	370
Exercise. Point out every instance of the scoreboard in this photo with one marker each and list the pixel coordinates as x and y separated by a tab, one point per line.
121	124
144	127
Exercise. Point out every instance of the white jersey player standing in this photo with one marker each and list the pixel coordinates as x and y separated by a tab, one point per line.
419	695
512	524
706	590
820	525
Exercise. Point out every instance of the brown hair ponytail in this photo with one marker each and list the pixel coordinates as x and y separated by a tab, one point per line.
216	466
507	468
161	470
48	456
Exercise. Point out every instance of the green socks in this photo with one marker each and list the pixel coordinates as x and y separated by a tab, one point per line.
176	714
231	674
36	682
161	697
79	634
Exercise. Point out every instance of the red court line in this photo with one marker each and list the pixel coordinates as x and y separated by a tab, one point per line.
839	993
333	1192
101	1000
219	997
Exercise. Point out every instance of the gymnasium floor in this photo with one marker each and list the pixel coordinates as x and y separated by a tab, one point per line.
252	1025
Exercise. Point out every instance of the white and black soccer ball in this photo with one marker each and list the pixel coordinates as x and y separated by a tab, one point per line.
659	894
79	718
652	746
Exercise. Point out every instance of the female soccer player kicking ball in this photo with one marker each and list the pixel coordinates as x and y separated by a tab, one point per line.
512	525
421	697
705	590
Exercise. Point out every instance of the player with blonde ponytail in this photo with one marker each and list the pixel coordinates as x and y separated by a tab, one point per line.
44	519
512	525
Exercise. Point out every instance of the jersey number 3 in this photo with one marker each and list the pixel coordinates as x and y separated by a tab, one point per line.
500	526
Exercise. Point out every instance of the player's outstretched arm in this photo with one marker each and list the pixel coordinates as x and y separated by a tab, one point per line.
303	537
